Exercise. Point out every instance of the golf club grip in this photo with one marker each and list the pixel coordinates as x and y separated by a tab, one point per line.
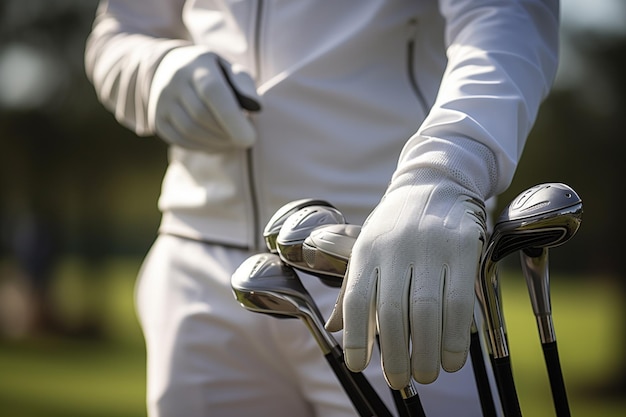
557	384
482	379
363	396
508	393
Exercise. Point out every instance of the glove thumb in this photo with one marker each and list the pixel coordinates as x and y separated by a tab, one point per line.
335	321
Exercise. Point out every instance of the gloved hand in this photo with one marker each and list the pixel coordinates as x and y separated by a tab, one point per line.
199	101
412	272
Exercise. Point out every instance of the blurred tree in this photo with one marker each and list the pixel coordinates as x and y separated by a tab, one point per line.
72	180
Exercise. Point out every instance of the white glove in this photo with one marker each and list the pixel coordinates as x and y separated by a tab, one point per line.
412	273
199	101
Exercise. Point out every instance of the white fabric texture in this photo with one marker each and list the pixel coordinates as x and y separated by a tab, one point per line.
207	356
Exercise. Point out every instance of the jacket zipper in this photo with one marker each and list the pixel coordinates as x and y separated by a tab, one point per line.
411	67
249	153
253	201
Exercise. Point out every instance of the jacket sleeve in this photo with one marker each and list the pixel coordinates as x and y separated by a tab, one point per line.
128	40
502	60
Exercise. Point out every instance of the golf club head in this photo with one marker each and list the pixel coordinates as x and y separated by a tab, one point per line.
544	216
298	227
264	284
275	223
327	249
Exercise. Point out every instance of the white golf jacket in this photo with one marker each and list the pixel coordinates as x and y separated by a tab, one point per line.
344	85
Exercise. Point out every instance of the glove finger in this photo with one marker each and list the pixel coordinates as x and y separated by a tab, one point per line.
220	99
393	323
459	295
202	116
194	135
426	318
359	312
170	134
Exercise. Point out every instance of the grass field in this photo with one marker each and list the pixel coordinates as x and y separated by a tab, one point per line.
61	377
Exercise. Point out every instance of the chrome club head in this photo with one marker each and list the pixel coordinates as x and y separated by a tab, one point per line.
298	227
275	223
327	249
264	284
543	216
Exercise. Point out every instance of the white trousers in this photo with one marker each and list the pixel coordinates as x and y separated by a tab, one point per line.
207	356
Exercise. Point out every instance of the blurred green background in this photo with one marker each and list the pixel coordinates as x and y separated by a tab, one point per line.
78	212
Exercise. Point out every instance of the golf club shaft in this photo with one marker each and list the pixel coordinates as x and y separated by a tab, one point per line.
488	292
410	397
413	405
361	393
407	400
363	396
485	395
536	272
506	386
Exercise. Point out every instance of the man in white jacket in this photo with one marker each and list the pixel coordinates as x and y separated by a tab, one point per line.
427	103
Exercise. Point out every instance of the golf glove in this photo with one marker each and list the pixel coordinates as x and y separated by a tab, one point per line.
413	267
199	101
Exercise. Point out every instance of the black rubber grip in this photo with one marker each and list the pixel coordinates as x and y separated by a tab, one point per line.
245	102
363	396
414	406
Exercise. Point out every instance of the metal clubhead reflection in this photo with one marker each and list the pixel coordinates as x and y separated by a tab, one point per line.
275	223
298	227
263	284
543	216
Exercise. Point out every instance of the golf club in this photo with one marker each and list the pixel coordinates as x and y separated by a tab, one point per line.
263	284
543	216
568	206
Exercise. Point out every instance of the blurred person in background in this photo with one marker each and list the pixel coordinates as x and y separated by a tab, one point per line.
427	103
